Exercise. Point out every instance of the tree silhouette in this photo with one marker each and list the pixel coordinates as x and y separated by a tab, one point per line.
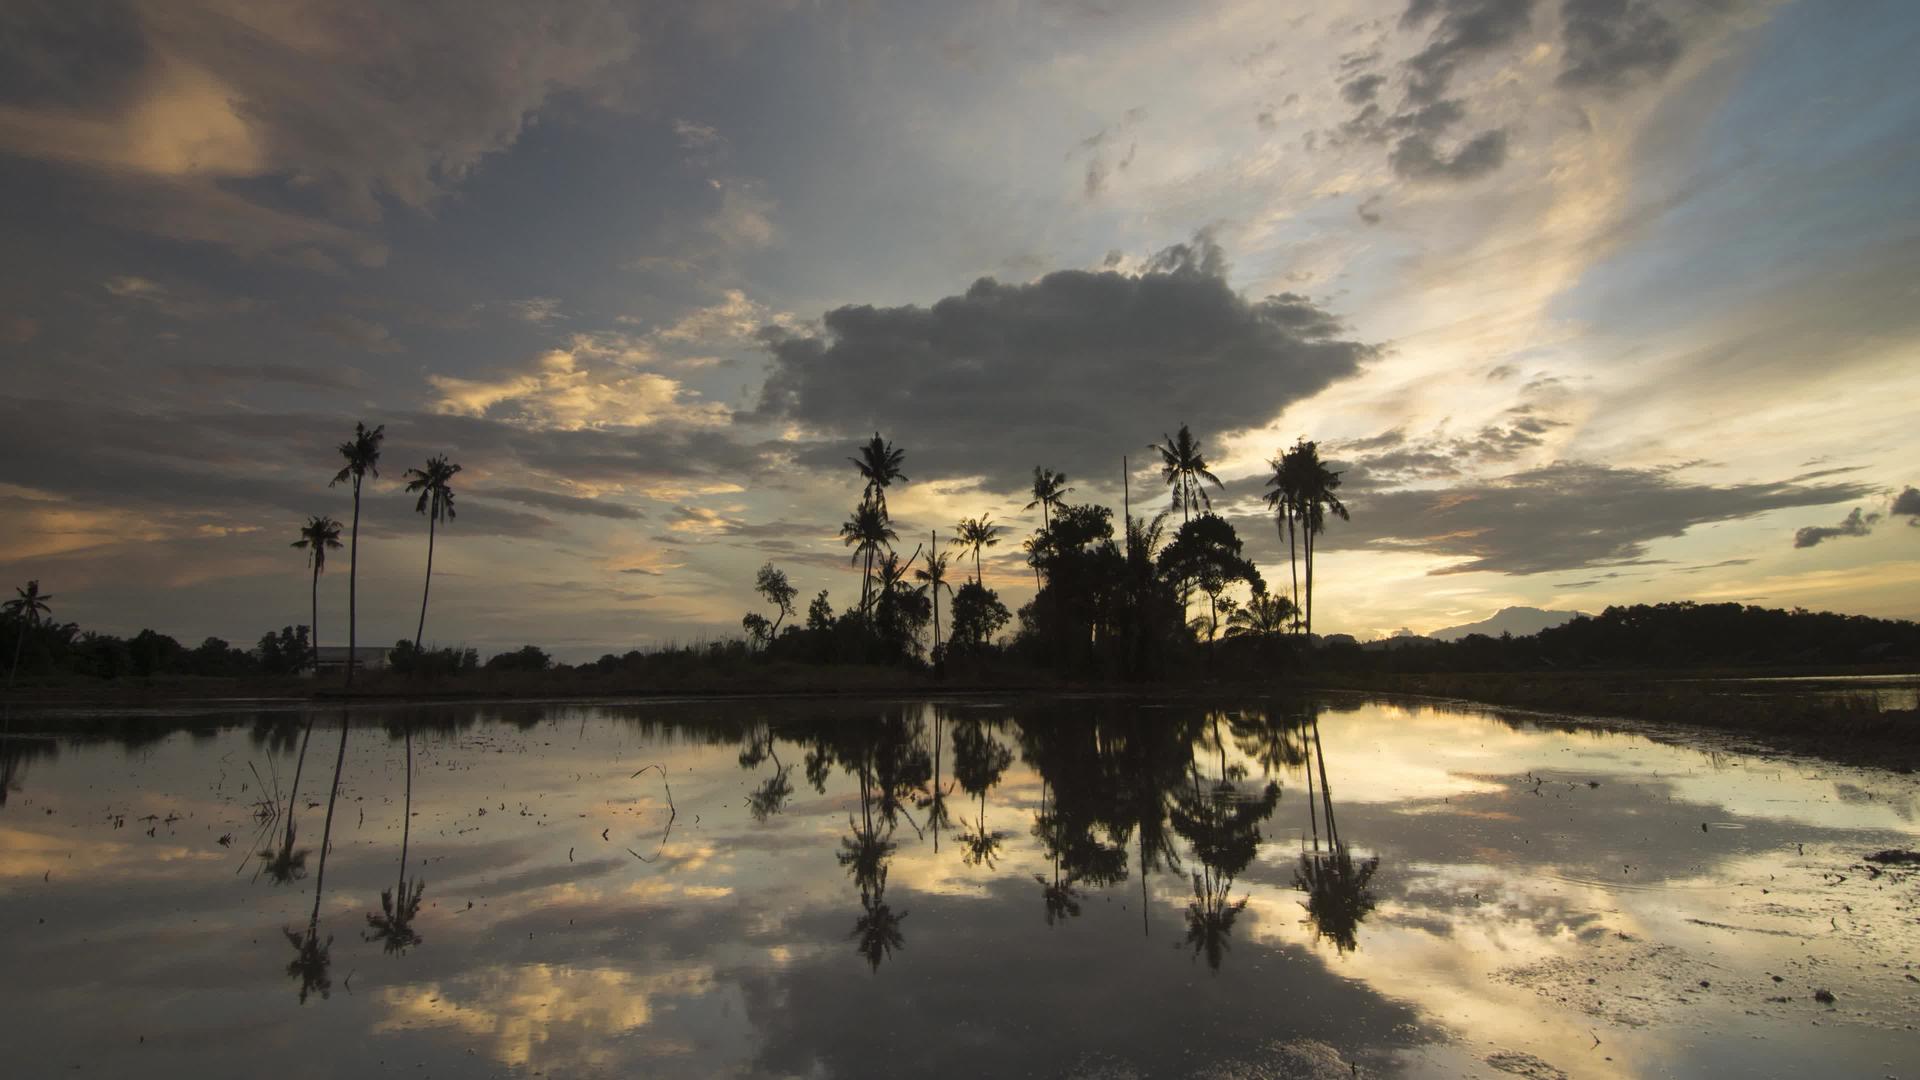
318	536
867	533
436	501
1184	467
26	608
1339	893
1050	493
1285	502
1265	615
879	465
933	578
974	534
362	456
1207	551
1304	494
773	585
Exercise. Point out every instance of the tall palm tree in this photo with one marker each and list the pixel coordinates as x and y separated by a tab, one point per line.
436	501
362	454
933	578
866	532
1318	485
1183	467
1284	500
318	536
26	608
879	465
974	534
1050	492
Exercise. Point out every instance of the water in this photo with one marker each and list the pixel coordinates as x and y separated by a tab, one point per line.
1332	887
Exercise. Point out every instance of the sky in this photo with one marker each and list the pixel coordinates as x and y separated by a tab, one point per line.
1592	301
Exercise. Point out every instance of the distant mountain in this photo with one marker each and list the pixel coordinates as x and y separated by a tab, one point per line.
1518	621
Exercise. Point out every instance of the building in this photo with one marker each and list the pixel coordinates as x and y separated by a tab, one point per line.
333	658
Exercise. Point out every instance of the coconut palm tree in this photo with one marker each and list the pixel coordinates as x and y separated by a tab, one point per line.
933	578
26	608
318	536
974	534
879	465
436	501
1183	467
1284	500
1318	485
362	454
867	532
1050	492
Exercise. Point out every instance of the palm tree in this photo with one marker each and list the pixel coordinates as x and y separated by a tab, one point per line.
974	534
318	536
26	608
1183	467
1317	499
436	501
1264	615
866	532
1049	493
879	465
1284	500
934	578
362	454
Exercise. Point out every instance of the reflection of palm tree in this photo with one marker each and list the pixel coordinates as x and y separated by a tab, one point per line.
434	483
1223	826
1061	899
311	956
770	797
1210	916
865	853
979	760
319	535
26	609
1339	896
393	926
362	455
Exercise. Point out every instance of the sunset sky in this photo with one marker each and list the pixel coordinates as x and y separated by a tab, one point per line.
1594	301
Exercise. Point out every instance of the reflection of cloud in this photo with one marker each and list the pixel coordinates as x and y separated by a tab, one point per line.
540	1012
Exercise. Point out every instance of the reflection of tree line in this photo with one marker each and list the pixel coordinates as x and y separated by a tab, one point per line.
1117	793
283	862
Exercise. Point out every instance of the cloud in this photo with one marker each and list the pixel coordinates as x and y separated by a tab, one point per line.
1857	523
327	378
351	104
1361	90
1415	158
566	504
360	333
1563	516
1077	368
1464	30
1610	43
744	218
538	310
1907	505
578	388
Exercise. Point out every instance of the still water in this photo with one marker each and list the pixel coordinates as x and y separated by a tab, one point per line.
1059	887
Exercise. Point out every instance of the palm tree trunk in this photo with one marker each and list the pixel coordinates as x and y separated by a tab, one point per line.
19	639
353	581
417	634
1307	543
1293	567
315	619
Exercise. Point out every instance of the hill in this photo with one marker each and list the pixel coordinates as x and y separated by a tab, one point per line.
1518	621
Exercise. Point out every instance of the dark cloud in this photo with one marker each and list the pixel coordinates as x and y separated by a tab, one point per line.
1857	523
1464	30
1907	505
1361	90
327	378
1611	43
1369	210
566	504
1564	516
1416	159
1074	369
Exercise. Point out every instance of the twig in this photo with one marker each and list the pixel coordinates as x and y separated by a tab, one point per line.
673	812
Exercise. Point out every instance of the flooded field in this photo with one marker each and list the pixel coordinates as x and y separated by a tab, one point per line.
1032	888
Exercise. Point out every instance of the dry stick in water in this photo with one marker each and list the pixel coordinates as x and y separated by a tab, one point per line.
672	813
